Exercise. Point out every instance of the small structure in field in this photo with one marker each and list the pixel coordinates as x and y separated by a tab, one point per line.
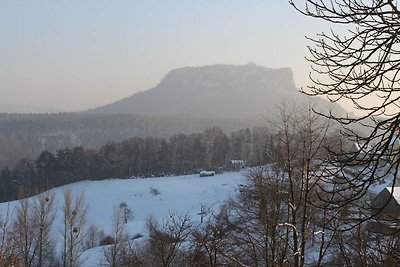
207	173
236	164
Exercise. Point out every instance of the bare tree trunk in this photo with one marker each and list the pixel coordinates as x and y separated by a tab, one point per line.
45	214
113	253
8	246
74	228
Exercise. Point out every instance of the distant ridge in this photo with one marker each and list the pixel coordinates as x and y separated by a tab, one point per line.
215	91
188	100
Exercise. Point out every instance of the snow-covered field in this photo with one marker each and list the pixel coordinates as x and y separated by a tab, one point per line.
178	194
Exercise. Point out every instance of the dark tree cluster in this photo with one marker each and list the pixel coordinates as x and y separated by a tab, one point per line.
135	157
26	135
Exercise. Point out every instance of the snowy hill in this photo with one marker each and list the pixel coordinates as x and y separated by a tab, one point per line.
178	194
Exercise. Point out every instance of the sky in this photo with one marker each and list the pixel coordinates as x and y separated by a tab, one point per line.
70	55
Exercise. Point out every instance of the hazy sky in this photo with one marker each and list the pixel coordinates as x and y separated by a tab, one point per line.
73	54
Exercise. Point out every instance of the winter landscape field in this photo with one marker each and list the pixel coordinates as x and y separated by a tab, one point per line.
170	133
180	195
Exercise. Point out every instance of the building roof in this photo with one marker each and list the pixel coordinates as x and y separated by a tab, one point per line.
360	147
237	161
395	192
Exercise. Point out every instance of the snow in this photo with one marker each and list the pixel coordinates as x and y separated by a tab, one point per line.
92	257
178	194
395	191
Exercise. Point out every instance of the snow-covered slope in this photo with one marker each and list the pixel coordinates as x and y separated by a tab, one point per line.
178	194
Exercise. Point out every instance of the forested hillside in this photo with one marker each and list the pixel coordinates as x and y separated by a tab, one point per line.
150	156
26	135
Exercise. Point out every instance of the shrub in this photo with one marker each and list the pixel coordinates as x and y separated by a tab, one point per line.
126	212
136	236
107	240
154	191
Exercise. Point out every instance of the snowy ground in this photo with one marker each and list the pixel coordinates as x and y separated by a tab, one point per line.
179	194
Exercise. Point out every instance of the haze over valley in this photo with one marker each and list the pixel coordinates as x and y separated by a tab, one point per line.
187	100
170	133
72	56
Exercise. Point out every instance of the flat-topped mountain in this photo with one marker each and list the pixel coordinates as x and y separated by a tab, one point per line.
217	91
187	100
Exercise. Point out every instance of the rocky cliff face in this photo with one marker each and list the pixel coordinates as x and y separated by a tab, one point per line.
217	91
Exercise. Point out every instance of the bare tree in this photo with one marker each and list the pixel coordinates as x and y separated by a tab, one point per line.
114	253
44	214
126	211
216	242
74	228
303	137
8	248
258	210
33	230
93	237
24	232
358	61
164	246
166	240
273	219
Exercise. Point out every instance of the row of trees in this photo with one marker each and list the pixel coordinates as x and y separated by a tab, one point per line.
211	149
34	234
29	234
26	135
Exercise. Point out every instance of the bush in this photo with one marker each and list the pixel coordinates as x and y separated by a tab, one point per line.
107	240
93	237
154	191
126	212
136	236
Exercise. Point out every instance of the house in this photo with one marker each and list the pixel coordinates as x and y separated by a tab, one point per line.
360	149
387	204
394	149
385	208
236	164
363	152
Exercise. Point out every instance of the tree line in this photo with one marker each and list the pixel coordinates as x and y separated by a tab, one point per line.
136	157
30	237
26	135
